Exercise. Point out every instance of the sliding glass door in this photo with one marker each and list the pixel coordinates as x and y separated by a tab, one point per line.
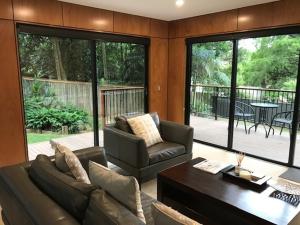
251	102
57	93
121	79
210	90
265	95
75	83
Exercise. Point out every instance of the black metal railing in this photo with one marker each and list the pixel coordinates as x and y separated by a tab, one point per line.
120	101
214	101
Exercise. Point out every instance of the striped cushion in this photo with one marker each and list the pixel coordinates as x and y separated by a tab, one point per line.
164	215
144	127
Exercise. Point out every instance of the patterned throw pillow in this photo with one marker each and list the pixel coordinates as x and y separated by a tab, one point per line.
124	189
164	215
68	161
144	127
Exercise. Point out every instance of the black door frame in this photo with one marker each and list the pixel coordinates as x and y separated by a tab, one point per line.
235	37
92	37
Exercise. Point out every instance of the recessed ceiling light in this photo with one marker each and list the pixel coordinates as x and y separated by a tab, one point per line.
179	3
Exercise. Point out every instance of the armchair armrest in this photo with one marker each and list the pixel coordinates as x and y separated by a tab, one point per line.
125	147
177	133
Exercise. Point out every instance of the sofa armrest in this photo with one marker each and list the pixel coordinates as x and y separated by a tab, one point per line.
125	147
177	133
24	203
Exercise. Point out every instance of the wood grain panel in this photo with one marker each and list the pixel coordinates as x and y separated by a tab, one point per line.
158	87
159	28
172	29
286	12
176	79
130	24
38	11
12	146
254	17
222	22
6	11
87	18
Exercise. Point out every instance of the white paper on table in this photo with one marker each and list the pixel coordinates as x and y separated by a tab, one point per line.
211	166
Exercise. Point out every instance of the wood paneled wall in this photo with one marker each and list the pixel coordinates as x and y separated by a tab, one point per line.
6	10
59	14
167	51
87	18
11	119
176	79
158	94
36	11
264	16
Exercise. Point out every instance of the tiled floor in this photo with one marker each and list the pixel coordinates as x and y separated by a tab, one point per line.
207	152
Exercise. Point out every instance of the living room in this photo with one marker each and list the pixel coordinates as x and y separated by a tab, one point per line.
213	84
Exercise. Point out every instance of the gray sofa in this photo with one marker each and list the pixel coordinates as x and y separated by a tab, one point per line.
130	153
24	203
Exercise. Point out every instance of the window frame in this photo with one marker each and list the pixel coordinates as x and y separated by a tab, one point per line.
235	37
92	37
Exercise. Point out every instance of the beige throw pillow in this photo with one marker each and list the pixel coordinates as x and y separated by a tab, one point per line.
72	162
144	127
164	215
124	189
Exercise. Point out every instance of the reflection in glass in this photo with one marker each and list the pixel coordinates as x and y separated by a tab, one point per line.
210	91
266	87
57	92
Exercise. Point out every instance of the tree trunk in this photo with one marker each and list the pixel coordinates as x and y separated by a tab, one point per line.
61	75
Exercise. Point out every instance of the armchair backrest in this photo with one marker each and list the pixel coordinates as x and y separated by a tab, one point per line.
122	124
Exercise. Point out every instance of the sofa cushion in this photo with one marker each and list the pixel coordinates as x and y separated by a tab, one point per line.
155	118
122	124
147	204
123	188
164	151
72	195
144	127
103	209
164	215
67	159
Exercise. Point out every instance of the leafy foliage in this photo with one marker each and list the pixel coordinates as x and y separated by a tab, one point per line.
70	59
271	63
211	63
45	112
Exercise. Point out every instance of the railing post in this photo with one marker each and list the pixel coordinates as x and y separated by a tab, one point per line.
102	109
216	102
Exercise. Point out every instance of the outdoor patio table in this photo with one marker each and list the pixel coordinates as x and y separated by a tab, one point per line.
262	115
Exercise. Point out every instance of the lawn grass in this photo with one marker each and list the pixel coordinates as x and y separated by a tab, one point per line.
37	137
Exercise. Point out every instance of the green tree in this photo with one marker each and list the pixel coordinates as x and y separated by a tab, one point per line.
273	64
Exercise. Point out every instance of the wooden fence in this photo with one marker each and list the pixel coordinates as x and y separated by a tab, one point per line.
112	101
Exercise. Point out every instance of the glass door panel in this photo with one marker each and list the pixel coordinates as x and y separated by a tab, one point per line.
121	76
57	92
265	95
210	91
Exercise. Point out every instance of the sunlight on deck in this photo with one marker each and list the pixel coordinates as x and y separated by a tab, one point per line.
275	147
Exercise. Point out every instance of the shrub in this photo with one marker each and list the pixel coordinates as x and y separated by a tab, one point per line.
53	119
45	112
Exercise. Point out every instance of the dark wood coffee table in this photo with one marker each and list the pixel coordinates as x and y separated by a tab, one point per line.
212	199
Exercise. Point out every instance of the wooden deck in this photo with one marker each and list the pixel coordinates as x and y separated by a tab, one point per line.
74	142
275	147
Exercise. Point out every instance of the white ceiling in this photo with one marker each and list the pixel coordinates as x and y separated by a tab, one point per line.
166	9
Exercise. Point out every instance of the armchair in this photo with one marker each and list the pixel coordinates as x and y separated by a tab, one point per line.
130	153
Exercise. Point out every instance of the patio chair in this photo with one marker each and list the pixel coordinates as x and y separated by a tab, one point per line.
284	118
244	112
